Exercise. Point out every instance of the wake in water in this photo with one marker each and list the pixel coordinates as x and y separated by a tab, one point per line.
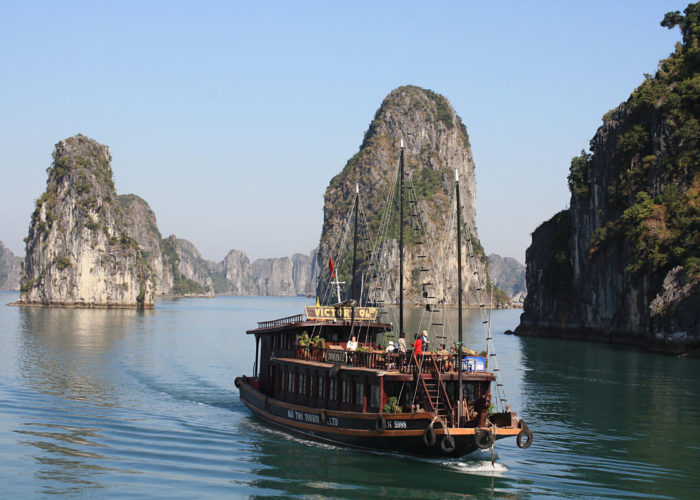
263	428
479	468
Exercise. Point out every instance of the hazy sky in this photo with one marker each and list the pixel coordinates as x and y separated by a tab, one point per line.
230	118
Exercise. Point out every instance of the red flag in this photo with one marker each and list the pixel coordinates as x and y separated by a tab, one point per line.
331	268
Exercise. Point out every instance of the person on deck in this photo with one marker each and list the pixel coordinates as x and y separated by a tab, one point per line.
425	340
418	345
444	358
402	343
352	344
391	348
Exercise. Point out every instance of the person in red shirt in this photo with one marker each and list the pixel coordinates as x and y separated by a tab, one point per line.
418	346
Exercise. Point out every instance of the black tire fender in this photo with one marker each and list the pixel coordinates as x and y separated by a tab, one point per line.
334	370
447	445
380	425
322	417
237	382
267	404
484	439
429	437
525	434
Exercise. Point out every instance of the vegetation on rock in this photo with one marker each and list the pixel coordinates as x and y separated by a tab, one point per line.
622	264
655	203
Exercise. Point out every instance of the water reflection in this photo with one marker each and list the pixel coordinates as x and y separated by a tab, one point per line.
65	356
67	351
614	417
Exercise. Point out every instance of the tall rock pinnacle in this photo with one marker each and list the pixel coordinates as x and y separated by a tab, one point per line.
436	143
78	250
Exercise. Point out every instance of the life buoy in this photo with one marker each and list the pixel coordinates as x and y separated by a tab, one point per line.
429	437
322	417
447	444
237	382
484	439
380	424
526	434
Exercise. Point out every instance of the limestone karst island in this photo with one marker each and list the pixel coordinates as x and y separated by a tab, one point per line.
622	263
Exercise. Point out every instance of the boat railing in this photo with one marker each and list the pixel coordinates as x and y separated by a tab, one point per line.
281	321
433	362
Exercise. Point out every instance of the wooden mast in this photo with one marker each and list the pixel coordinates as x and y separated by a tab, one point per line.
401	174
459	298
354	263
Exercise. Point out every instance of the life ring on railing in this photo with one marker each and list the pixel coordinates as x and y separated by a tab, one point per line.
429	437
380	425
237	382
322	417
447	445
525	433
484	438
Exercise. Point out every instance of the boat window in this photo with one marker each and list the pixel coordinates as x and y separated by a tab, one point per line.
332	389
469	391
374	396
407	395
302	383
359	393
345	389
290	384
321	386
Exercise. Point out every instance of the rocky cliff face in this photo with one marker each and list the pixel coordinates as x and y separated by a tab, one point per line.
278	276
284	276
78	250
623	263
236	270
141	225
10	269
436	143
509	275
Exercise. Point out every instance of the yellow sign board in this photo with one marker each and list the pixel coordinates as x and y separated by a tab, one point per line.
344	313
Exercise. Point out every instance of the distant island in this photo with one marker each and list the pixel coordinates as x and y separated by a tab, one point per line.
10	269
622	264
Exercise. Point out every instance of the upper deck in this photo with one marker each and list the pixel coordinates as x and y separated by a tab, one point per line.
325	343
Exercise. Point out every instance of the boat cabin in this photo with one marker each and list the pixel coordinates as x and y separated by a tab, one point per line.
305	361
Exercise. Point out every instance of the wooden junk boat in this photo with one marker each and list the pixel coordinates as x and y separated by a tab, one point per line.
431	404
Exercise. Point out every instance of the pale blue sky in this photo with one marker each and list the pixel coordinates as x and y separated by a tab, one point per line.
230	118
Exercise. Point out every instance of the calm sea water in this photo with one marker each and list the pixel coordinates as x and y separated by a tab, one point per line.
109	403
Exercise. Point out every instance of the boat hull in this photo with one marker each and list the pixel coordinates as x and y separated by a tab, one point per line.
410	434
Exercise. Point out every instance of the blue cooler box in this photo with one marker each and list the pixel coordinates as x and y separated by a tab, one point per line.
474	364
